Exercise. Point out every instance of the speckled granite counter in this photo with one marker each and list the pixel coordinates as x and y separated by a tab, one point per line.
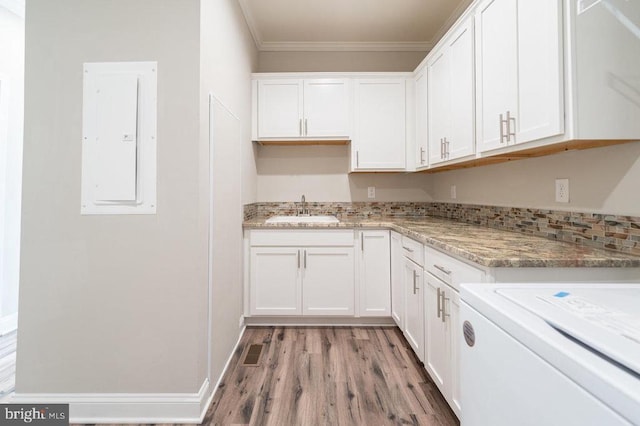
482	245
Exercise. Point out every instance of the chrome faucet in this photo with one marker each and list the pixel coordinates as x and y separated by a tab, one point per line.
303	211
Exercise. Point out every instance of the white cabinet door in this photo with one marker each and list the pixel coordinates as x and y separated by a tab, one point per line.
450	94
442	356
454	334
414	307
328	282
375	273
540	70
397	280
280	110
461	138
438	105
326	108
380	125
497	65
275	281
519	71
437	361
421	155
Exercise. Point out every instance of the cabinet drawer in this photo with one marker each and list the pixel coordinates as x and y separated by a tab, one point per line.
413	249
301	237
450	270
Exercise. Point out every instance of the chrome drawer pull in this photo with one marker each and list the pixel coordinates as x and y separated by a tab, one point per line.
442	268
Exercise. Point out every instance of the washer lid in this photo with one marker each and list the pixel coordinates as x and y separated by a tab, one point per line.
606	320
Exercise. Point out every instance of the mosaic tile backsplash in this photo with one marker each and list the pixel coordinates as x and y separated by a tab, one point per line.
613	232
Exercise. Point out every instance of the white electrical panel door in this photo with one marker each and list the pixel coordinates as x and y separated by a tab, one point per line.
117	109
119	138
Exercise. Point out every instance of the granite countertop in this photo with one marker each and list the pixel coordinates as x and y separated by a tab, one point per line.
482	245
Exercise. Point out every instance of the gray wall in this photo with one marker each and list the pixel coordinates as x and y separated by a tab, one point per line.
228	56
111	303
321	174
600	180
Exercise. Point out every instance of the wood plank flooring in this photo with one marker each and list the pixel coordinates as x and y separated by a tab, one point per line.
328	376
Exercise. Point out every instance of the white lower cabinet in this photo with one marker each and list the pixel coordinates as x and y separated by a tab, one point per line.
397	280
327	281
414	307
443	276
275	281
374	273
301	272
442	333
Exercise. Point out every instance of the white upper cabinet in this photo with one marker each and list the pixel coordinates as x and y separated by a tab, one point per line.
421	152
298	109
519	71
326	108
280	105
379	139
450	106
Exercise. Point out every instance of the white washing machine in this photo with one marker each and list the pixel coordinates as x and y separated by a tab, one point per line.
550	354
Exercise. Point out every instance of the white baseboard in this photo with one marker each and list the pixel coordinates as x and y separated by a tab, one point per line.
134	407
128	407
320	321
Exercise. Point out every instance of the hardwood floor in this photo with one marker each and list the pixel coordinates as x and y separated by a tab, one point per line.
328	376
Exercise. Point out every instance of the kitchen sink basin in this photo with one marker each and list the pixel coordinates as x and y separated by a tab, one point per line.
303	219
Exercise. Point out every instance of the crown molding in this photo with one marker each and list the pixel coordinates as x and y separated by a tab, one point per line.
455	15
251	23
295	46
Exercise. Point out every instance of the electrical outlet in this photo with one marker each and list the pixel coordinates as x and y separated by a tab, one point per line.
371	192
453	192
562	190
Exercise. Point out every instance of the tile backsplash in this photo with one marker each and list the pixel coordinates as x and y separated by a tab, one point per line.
613	232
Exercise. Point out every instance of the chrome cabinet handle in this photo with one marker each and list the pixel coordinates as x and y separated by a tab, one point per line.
502	122
441	149
442	268
422	152
408	249
305	259
444	313
446	148
300	126
439	307
415	276
357	160
362	242
509	132
305	127
298	257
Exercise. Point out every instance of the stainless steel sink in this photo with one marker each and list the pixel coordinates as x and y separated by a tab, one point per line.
302	219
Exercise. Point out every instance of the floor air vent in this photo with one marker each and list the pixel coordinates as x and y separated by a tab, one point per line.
252	356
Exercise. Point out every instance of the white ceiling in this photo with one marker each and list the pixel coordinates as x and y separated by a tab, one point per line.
356	25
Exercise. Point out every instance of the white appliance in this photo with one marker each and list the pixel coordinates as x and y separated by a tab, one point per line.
550	354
